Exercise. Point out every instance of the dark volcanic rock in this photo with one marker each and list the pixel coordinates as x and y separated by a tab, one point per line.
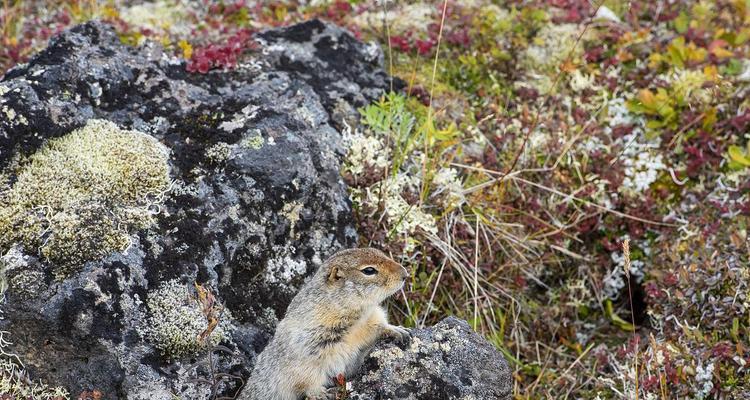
445	362
256	202
124	180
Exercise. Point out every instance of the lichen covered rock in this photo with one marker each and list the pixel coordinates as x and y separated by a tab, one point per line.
447	361
79	197
175	322
124	181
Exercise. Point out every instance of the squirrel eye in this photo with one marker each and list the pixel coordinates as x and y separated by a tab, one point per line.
369	271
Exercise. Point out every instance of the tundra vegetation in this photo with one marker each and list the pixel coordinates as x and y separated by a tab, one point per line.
570	176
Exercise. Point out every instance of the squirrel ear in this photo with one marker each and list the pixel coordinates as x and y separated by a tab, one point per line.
333	274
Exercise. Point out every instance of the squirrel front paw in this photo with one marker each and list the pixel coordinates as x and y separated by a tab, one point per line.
398	332
322	394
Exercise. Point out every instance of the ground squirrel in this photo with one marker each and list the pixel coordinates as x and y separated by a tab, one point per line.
329	326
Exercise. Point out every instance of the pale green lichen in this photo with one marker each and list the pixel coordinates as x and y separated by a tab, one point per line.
79	197
218	153
175	322
254	142
291	211
365	151
553	45
160	17
402	218
688	87
13	117
15	383
18	274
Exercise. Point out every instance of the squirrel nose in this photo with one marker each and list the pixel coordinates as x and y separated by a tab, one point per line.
404	273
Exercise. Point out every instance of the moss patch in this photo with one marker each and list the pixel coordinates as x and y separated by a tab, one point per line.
79	197
176	321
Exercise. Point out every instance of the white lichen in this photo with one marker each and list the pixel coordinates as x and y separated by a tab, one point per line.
175	322
218	153
640	156
365	151
704	380
448	185
551	47
403	219
284	269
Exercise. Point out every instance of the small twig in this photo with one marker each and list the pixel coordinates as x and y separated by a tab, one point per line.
626	266
426	138
589	347
692	123
476	273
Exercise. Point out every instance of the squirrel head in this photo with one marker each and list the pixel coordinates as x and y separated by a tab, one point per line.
365	275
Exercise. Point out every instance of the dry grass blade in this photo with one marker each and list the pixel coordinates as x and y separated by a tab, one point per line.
627	266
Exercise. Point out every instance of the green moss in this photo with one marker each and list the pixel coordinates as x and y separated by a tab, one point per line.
79	197
175	322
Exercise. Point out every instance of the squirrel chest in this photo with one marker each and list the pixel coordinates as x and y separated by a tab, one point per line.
338	337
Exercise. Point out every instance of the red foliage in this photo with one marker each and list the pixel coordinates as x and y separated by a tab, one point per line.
421	94
90	395
653	291
609	245
401	43
702	151
33	32
338	10
424	47
221	56
723	350
740	122
650	383
575	10
594	54
671	279
459	37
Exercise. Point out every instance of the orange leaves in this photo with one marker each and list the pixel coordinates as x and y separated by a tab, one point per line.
210	308
718	49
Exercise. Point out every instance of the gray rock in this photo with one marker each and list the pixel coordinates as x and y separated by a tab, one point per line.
446	362
257	201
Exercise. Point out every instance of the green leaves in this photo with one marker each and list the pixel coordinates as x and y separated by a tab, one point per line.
389	117
679	53
739	158
615	319
660	106
682	22
407	127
